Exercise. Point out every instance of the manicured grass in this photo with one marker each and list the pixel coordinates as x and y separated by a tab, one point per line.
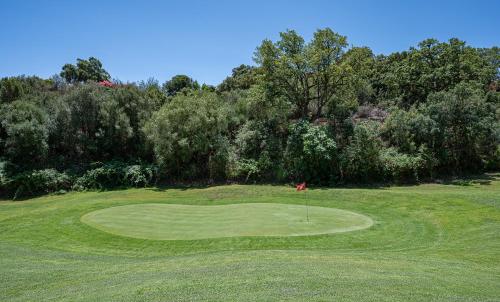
186	222
427	243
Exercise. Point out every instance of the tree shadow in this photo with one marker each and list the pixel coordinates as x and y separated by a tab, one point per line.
469	180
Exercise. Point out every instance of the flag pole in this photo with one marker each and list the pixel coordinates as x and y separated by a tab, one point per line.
307	205
303	187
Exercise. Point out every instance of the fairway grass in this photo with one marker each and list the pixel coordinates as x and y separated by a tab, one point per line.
187	222
426	243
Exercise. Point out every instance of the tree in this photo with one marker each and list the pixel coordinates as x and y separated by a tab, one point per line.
308	75
26	133
179	83
78	123
84	71
466	122
456	129
242	77
362	155
311	153
407	78
188	135
10	89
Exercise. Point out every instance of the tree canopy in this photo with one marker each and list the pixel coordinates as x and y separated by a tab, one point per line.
322	111
84	71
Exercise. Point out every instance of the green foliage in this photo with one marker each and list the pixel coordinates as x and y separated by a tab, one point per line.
361	160
317	110
36	182
26	132
84	71
97	123
116	174
466	124
310	153
139	175
106	176
409	77
246	169
400	167
188	133
307	75
11	89
180	83
242	77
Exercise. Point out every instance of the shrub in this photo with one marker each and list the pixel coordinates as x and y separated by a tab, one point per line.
361	160
108	176
36	182
139	175
115	174
26	133
246	169
187	135
311	153
400	167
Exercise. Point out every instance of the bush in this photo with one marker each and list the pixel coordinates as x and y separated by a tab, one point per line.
400	167
248	168
36	182
245	169
115	174
188	135
361	160
311	153
26	132
139	175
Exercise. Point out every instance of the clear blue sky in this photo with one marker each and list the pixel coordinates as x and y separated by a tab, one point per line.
136	40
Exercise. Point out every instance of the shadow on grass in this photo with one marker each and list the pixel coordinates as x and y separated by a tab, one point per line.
469	180
466	180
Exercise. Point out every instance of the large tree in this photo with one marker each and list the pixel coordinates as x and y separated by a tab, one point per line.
179	83
25	127
242	77
308	75
84	71
408	77
188	135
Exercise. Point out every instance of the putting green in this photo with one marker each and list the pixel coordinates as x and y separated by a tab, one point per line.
188	222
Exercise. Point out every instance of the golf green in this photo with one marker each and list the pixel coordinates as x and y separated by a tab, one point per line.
188	222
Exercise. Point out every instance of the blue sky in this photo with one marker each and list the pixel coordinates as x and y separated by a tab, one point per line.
136	40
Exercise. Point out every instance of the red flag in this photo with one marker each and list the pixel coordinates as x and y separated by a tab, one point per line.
301	186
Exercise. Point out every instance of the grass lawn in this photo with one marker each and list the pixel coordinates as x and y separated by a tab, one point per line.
253	243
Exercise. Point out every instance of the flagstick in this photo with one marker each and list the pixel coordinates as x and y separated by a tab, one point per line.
307	205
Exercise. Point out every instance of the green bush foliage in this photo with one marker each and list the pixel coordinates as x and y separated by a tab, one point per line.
36	182
319	111
116	174
400	167
311	153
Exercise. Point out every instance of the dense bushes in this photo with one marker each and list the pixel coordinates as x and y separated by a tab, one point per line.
400	167
189	136
36	182
116	174
456	128
316	111
99	176
361	159
26	132
311	153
